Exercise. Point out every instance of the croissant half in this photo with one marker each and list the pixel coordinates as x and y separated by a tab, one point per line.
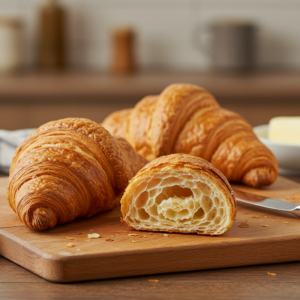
68	169
179	193
186	118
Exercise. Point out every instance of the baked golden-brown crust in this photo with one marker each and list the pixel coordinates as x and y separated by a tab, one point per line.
68	169
185	118
179	193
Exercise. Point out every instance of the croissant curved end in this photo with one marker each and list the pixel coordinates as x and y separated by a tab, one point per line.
41	218
260	177
68	169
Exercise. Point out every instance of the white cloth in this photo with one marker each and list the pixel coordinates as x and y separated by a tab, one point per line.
9	141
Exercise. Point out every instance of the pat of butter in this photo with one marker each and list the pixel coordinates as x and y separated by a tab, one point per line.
285	130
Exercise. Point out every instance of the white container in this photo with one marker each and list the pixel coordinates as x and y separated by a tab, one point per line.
288	156
11	51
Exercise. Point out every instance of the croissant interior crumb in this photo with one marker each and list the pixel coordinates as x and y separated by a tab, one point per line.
181	203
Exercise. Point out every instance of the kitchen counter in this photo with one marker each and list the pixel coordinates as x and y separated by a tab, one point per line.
266	85
31	99
233	283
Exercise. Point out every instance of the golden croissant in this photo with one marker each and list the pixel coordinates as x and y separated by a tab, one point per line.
179	193
186	118
68	169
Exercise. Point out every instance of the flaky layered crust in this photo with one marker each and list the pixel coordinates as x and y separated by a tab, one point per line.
186	118
179	193
67	169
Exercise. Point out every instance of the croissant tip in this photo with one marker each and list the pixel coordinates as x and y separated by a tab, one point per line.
41	218
259	177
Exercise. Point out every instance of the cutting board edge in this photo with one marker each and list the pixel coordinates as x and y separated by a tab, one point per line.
168	260
24	253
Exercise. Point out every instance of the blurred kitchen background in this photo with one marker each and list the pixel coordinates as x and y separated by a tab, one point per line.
87	58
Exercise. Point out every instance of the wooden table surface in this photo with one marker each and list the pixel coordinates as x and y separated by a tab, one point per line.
234	283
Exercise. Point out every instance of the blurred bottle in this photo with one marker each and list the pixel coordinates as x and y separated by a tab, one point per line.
123	50
51	36
10	44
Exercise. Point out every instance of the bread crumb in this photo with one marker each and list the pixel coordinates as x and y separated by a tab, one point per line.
293	197
153	280
145	236
135	241
271	274
285	222
93	235
265	216
70	245
109	240
78	249
132	234
264	225
70	238
244	224
166	235
255	217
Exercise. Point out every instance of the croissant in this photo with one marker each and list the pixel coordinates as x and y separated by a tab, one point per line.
186	118
179	193
68	169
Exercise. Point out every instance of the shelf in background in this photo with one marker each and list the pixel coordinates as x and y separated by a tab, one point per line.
31	99
277	85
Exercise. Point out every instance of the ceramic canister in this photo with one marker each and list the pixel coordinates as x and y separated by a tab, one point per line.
10	44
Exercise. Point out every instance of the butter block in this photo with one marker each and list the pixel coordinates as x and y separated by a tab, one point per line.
285	130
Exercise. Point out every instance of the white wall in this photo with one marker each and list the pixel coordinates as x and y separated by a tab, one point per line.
165	29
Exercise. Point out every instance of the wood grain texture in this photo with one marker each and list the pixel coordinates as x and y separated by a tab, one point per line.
46	254
233	283
144	290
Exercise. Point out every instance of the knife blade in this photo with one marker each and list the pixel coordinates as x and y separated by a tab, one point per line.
262	201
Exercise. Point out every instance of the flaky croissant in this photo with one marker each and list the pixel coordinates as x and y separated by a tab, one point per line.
68	169
179	193
186	118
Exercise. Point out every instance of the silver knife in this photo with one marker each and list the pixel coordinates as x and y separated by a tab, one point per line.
261	201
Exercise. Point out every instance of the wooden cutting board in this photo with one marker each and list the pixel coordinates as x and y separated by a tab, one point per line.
116	254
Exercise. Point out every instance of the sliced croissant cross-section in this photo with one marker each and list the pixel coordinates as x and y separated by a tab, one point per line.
179	193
